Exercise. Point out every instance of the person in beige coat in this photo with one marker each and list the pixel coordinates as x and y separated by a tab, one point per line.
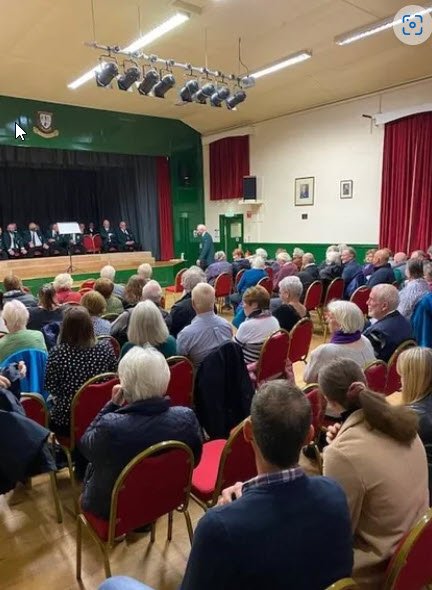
378	458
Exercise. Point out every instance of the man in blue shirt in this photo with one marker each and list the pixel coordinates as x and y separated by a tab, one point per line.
352	272
286	530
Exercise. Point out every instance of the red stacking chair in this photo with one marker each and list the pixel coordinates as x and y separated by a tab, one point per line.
334	291
313	296
84	290
300	340
177	287
86	404
97	244
318	406
267	283
238	277
223	288
360	298
411	566
223	463
393	379
35	409
156	482
273	357
345	584
270	272
113	341
181	385
376	375
88	284
88	244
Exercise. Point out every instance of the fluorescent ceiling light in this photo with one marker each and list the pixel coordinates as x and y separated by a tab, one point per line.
283	63
178	19
373	29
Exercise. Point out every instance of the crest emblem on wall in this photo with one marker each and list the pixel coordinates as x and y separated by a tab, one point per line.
44	125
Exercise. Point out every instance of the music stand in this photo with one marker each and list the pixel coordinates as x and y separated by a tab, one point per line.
67	228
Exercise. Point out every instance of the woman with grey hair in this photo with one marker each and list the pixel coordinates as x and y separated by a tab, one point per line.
291	310
147	327
346	322
182	312
138	416
15	316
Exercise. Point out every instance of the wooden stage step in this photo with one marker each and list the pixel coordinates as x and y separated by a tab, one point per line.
34	268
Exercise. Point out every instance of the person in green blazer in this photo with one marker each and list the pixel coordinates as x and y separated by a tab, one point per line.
206	256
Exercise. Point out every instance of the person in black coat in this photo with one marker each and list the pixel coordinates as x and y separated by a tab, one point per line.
382	271
34	241
125	238
120	432
13	242
309	272
56	242
182	312
109	240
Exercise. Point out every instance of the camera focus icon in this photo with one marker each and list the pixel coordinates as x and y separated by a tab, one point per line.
412	24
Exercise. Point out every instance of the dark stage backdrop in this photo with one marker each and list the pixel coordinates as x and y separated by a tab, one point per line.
46	185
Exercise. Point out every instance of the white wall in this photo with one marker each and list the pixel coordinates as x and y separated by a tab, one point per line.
332	143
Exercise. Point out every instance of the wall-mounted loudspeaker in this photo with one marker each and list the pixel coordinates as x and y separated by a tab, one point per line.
250	188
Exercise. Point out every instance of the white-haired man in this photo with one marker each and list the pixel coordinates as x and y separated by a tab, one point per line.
145	271
207	331
206	255
109	272
309	272
219	266
287	268
389	327
182	312
153	291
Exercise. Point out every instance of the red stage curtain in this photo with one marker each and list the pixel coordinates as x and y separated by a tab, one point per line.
229	162
165	208
406	198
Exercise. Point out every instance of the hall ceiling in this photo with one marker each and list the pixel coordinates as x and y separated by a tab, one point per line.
42	48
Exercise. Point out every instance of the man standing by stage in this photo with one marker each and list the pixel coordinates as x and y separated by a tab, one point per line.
206	256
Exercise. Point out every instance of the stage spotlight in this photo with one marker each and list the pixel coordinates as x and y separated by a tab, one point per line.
130	76
205	92
150	79
106	73
235	99
189	89
219	96
165	84
247	82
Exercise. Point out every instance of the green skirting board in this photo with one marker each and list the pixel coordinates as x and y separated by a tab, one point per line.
318	250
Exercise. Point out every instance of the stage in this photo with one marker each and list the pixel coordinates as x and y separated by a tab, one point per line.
36	271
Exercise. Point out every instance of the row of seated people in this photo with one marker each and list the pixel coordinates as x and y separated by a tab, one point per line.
32	242
374	487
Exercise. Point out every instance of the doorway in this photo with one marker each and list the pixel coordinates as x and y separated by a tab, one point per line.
231	232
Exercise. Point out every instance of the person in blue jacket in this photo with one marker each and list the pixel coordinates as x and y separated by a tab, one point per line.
206	256
352	271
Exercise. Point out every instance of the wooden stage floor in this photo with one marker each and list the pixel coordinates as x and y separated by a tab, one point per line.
35	268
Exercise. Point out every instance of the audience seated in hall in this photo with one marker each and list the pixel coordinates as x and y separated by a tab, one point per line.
147	327
414	366
219	266
277	262
287	268
382	271
275	535
183	312
288	310
239	262
109	272
379	460
15	316
63	284
106	287
346	322
368	266
352	272
421	321
249	279
259	323
133	291
207	331
309	272
95	304
399	265
387	327
47	310
419	255
77	357
145	271
414	289
138	416
13	289
428	274
153	292
297	257
331	268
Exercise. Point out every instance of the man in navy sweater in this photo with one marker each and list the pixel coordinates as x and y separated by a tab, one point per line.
286	529
382	270
352	272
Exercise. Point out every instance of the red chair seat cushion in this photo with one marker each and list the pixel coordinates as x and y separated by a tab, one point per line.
204	476
171	289
99	525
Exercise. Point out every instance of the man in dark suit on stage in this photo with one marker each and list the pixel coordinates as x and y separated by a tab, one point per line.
13	242
34	241
75	242
125	238
109	240
55	241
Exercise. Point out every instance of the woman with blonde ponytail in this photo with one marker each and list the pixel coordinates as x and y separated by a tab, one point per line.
378	458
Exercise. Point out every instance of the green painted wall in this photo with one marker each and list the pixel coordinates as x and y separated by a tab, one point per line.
123	133
318	250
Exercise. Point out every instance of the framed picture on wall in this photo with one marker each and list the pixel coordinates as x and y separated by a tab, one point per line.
304	189
346	189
